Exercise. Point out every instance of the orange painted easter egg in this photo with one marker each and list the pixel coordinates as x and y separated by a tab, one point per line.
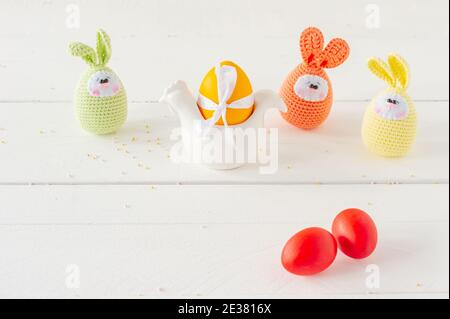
226	91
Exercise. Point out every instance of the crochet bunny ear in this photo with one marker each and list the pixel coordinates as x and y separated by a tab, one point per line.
381	70
85	52
311	44
336	52
400	70
103	47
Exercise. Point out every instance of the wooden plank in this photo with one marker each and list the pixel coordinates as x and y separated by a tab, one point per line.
218	261
178	241
42	143
162	41
208	204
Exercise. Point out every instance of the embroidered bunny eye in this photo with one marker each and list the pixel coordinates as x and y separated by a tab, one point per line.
104	84
311	88
392	107
392	101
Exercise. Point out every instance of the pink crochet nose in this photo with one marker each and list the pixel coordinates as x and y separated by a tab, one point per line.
105	85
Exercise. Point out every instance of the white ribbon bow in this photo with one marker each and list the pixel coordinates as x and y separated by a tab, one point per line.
226	83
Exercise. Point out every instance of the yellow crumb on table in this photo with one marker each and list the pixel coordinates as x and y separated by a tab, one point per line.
93	156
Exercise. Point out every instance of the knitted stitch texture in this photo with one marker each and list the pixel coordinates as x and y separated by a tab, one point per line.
99	115
301	113
100	97
390	122
308	110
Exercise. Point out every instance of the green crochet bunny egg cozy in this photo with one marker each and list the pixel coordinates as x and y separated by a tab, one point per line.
100	97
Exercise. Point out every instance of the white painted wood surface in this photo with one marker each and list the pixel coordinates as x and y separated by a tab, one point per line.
177	241
54	150
137	225
156	42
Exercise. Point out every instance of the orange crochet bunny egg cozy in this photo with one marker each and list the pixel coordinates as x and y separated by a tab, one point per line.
307	91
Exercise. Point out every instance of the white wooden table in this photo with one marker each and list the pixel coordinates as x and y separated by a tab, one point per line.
113	216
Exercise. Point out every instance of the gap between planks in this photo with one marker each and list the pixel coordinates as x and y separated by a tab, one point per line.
234	183
157	102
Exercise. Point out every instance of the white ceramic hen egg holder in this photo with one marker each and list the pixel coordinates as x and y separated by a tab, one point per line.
197	137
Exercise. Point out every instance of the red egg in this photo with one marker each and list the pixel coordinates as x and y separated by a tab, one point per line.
309	252
356	233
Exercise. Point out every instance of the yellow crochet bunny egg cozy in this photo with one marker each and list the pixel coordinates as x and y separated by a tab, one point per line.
226	86
390	122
